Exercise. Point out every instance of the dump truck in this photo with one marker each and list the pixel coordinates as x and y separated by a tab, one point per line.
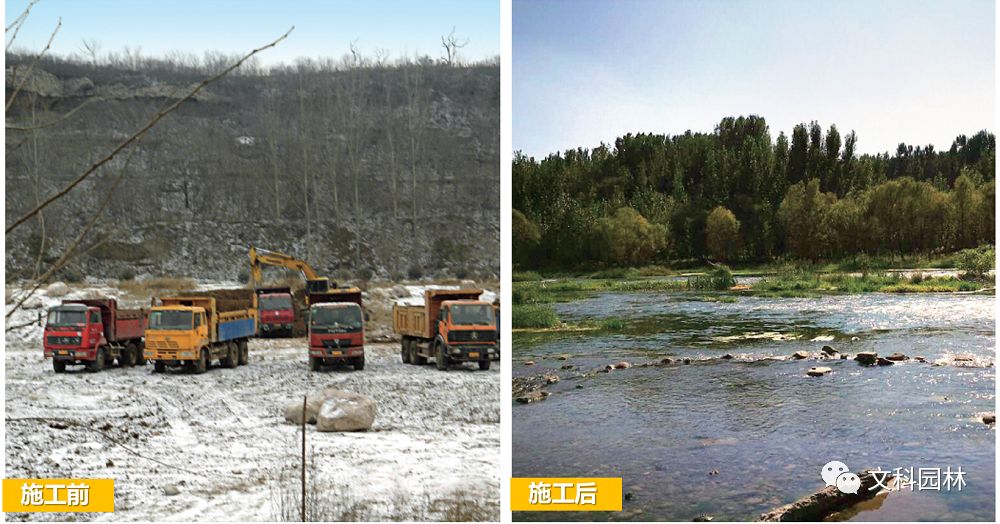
336	329
94	333
450	326
198	328
276	311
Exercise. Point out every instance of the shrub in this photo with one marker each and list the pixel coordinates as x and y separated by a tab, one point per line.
533	316
415	272
613	324
126	274
976	263
719	278
616	272
525	276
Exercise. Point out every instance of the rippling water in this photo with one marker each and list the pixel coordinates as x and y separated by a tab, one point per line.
764	425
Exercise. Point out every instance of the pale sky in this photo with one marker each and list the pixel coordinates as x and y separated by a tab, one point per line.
323	28
586	71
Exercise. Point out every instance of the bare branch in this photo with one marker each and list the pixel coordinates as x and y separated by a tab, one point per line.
79	237
22	127
156	118
17	23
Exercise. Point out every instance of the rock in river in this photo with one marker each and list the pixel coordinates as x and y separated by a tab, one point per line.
990	418
898	357
818	371
799	355
830	350
623	365
533	396
883	361
867	358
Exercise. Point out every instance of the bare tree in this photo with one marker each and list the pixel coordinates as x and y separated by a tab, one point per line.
451	45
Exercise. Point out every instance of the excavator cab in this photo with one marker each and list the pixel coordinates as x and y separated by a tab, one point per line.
318	285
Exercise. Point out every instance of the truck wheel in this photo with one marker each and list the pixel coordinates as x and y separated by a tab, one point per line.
98	363
202	365
415	354
244	353
484	364
359	363
315	364
405	350
58	366
141	353
128	356
439	357
159	367
231	358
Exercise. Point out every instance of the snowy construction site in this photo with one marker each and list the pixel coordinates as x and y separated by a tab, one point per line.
223	445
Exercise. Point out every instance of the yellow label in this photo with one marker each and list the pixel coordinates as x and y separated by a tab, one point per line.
473	354
566	494
336	353
58	495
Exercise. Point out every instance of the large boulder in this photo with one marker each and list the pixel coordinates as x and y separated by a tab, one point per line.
799	355
345	411
897	357
830	350
818	371
57	289
293	411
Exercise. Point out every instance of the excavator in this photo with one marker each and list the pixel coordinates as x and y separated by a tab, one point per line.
259	257
277	308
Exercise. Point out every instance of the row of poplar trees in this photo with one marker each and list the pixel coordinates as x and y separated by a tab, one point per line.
736	194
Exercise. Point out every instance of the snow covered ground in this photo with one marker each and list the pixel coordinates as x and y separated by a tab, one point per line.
221	440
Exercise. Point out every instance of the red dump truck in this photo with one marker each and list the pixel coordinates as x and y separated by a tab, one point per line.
94	333
452	325
336	329
276	311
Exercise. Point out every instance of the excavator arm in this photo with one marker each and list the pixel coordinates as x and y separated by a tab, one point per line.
260	257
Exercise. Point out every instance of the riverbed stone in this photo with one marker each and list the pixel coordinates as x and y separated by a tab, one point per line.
830	350
532	396
867	358
884	361
171	489
346	411
898	357
567	366
623	365
823	503
818	371
990	418
799	355
529	362
727	356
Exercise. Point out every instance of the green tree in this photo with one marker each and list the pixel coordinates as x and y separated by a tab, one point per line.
525	237
722	232
628	239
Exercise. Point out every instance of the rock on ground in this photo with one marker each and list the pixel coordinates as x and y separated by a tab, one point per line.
293	411
818	371
57	289
345	411
867	358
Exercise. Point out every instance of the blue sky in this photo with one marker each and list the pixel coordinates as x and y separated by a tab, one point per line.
322	28
895	71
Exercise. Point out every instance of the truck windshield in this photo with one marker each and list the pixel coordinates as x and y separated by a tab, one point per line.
170	320
346	317
273	303
472	314
67	317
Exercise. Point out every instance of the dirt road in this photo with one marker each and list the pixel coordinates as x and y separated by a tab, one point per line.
221	441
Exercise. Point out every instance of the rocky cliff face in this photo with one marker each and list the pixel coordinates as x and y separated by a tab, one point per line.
367	171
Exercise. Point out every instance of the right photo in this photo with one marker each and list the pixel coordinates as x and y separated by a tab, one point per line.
753	250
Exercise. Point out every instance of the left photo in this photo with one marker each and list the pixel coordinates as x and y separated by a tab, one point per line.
252	261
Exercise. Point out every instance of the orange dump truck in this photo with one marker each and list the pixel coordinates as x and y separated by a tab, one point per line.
452	325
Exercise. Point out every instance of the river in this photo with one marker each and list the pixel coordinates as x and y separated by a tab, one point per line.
735	438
